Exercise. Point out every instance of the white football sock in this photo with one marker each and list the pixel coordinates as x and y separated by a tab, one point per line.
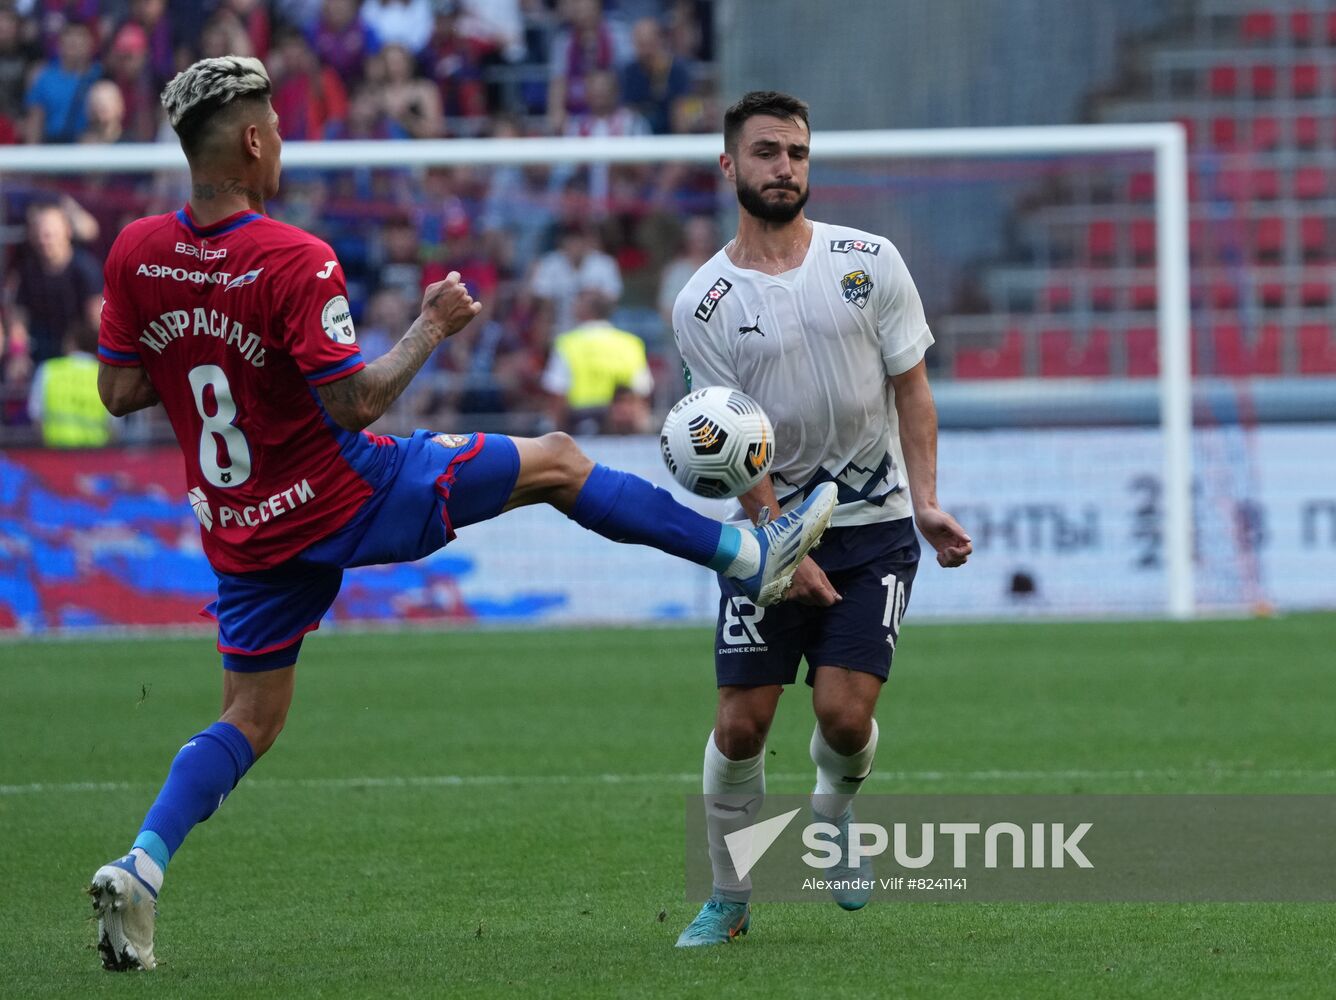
838	777
740	785
748	559
147	868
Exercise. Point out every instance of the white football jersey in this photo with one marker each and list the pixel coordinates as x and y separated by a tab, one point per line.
814	346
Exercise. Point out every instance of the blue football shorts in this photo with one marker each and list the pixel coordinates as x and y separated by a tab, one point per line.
442	482
872	566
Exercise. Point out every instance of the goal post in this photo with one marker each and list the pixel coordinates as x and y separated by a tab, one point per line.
1164	143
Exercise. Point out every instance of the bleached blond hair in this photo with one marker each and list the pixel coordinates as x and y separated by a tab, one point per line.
194	94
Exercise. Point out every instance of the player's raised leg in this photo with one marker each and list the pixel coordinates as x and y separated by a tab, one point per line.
844	744
206	769
733	783
626	508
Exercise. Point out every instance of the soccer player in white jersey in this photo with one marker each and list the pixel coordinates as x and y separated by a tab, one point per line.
821	325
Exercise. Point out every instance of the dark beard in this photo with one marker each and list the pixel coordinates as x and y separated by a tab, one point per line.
753	204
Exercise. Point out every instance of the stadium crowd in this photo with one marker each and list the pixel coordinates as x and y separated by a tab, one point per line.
565	254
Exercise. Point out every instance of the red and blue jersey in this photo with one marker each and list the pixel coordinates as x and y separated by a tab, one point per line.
236	324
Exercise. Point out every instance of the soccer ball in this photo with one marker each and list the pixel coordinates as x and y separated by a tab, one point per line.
717	442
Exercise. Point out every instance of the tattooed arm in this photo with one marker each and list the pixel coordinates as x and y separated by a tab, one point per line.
361	398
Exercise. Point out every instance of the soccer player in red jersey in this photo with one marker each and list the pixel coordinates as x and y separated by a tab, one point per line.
240	325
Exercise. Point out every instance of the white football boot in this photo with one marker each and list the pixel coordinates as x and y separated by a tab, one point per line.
126	908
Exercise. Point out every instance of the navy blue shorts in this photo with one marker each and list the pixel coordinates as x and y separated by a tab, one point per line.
442	482
871	566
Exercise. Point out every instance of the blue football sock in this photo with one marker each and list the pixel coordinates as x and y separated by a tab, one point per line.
626	508
204	771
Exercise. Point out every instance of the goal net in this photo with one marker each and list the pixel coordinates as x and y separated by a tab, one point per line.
1055	268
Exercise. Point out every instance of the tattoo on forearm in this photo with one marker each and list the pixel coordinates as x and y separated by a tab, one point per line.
379	384
230	185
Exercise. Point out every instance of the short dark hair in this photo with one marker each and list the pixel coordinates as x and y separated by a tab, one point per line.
772	103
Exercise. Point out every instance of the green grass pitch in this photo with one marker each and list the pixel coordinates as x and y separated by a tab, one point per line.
563	877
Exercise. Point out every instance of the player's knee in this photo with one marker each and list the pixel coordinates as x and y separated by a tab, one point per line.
845	728
569	465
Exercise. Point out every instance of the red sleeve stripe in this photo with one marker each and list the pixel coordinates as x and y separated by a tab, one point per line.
122	359
338	370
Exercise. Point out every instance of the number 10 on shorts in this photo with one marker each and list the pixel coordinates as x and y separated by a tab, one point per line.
895	607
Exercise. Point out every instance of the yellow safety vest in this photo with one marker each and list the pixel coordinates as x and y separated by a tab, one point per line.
600	358
72	412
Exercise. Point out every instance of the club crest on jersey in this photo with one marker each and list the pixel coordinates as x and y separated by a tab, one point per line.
337	319
243	279
451	440
706	308
848	246
857	286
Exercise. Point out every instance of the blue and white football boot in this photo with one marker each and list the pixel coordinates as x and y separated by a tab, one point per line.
851	888
785	542
126	908
718	922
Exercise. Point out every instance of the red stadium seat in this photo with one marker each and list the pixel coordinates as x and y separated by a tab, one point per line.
1317	350
1307	132
1061	357
1142	234
1234	356
1224	295
1271	294
1331	27
1232	185
1301	27
1305	80
1004	361
1058	298
1315	293
1269	238
1263	80
1224	133
1264	134
1310	182
1264	184
1143	352
1258	27
1144	298
1103	298
1141	186
1101	241
1313	237
1223	81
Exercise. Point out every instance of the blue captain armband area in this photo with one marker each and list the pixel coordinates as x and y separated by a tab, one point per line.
337	370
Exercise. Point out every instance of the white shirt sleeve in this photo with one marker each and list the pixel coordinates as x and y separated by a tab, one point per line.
557	375
706	362
902	328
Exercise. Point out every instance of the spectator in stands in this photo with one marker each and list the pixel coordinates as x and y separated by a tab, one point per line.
126	65
589	363
253	16
577	264
655	79
15	58
605	117
48	18
398	258
455	62
515	213
308	97
588	44
224	34
496	24
55	102
106	114
399	22
63	400
698	245
151	15
412	102
342	41
55	286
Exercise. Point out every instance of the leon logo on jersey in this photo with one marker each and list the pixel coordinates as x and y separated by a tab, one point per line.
337	320
847	246
706	308
857	286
